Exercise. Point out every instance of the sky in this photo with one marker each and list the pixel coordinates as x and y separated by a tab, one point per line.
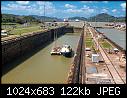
64	9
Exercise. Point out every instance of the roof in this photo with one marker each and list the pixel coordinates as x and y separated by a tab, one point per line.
95	54
116	49
3	31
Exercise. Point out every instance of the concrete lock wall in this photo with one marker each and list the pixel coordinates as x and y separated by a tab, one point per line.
15	48
71	29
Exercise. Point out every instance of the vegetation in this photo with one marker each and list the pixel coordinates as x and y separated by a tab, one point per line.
45	18
19	31
105	44
89	42
103	17
79	18
6	18
10	18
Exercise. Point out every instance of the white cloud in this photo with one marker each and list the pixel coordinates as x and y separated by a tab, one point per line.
123	5
35	8
85	10
49	7
73	10
104	10
105	1
23	2
69	6
114	10
17	7
41	2
4	8
89	1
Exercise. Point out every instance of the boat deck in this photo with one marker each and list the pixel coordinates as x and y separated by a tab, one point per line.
56	51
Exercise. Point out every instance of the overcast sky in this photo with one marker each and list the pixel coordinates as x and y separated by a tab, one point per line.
64	9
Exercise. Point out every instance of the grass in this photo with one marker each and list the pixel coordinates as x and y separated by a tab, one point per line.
88	35
88	42
9	23
18	29
105	44
25	30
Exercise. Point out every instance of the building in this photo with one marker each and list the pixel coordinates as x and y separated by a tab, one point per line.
65	20
95	58
76	20
4	33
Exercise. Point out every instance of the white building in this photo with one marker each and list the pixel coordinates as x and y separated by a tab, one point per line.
65	20
76	20
4	33
95	58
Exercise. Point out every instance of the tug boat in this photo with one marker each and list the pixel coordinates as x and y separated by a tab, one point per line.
66	50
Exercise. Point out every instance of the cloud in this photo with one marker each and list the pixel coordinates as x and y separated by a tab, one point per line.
23	2
69	6
73	10
114	10
41	2
4	8
89	1
104	10
49	7
17	7
105	1
85	10
35	8
123	5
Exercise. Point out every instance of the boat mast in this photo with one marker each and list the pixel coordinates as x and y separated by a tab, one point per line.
55	33
55	37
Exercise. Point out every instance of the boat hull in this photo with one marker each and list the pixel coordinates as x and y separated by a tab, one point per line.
66	54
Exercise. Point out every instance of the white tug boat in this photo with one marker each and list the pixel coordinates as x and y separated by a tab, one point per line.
66	50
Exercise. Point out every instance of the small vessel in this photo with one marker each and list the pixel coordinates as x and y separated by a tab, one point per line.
56	51
66	50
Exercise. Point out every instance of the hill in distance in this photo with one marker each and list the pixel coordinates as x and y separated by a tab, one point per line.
103	17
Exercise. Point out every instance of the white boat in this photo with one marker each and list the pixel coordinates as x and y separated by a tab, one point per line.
66	50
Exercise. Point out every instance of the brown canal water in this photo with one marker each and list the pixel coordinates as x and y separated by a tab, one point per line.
43	68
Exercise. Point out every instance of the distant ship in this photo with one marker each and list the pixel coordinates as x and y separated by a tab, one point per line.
66	50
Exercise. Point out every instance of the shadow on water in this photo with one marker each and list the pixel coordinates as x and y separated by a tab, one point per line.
7	67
